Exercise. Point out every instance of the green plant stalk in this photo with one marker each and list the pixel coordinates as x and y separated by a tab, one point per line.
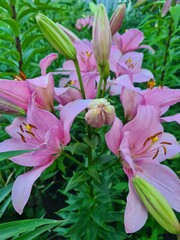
79	78
67	155
17	38
166	52
99	86
104	88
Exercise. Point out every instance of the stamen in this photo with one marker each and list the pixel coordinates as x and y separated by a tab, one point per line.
164	149
22	137
21	128
88	54
30	133
168	143
154	138
151	83
157	152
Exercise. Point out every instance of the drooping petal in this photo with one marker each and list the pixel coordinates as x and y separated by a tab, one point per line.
147	47
68	114
22	187
174	118
46	62
163	179
113	137
135	212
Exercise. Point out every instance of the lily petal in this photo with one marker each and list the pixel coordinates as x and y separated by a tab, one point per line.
46	62
22	187
162	178
135	212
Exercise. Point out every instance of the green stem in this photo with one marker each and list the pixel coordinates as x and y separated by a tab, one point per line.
79	78
67	155
99	86
166	52
104	88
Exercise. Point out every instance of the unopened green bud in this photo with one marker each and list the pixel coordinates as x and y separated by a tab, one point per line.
100	112
56	37
9	108
92	7
101	36
117	18
157	205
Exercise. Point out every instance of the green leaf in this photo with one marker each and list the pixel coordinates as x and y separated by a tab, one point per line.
4	206
13	24
175	13
31	40
5	191
6	155
94	174
12	64
35	233
11	229
80	177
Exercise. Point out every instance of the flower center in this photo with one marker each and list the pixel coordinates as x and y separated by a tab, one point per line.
130	63
69	83
26	129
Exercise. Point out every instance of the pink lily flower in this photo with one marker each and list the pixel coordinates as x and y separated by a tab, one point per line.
46	62
130	41
162	98
43	133
141	145
129	63
83	22
85	58
69	90
20	92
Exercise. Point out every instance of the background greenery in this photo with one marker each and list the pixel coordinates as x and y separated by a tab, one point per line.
80	212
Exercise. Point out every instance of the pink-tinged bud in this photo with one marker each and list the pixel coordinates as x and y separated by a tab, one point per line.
100	112
157	205
56	37
166	8
117	18
102	37
8	107
70	34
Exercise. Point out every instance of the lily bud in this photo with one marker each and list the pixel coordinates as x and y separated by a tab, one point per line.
8	107
56	37
157	205
70	34
102	37
100	113
117	18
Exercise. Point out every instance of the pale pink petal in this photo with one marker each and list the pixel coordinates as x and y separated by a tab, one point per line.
145	124
44	89
126	155
163	179
174	118
162	97
131	40
131	62
68	114
135	212
130	101
46	62
15	91
114	136
22	187
143	75
147	47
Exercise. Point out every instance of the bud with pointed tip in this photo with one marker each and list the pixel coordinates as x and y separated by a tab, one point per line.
70	34
8	107
102	37
56	37
157	205
100	112
117	18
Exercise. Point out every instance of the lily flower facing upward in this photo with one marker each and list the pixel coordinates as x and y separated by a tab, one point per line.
141	145
46	136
